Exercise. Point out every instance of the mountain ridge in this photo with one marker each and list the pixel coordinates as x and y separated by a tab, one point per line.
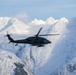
52	59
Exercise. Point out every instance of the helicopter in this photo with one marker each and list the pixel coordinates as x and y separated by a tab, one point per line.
35	40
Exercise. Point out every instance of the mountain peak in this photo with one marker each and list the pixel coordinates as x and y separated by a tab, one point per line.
64	19
38	22
51	20
13	25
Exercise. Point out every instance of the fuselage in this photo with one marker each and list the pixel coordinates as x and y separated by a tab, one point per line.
34	41
37	41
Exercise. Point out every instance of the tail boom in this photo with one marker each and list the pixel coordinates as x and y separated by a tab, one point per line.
11	40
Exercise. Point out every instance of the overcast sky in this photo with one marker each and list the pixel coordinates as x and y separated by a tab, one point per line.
40	9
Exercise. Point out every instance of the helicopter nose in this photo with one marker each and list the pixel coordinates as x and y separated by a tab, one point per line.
46	41
49	42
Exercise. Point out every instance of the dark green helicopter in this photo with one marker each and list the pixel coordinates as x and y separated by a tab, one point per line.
35	40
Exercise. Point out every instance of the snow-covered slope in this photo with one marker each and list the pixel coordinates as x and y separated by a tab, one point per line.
10	64
57	58
12	25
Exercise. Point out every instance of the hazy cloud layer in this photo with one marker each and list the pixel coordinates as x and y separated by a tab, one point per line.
22	16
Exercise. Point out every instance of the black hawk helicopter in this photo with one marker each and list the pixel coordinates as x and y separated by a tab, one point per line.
36	40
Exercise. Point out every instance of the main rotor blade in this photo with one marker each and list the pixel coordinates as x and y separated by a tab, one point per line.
39	31
48	34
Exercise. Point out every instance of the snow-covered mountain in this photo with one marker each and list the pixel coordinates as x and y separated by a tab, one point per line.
10	64
57	58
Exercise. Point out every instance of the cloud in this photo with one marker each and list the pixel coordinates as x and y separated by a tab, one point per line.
22	16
